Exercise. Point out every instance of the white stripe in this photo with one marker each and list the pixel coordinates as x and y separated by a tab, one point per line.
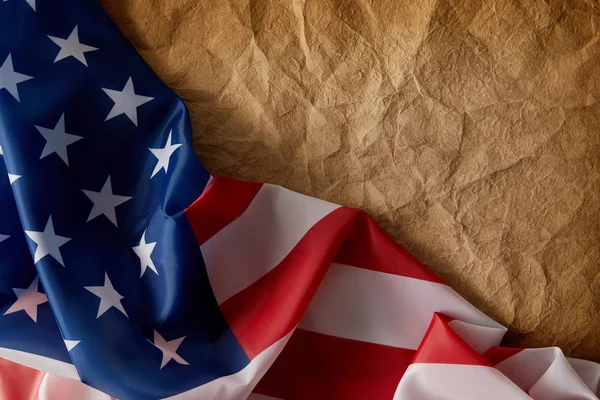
588	371
239	385
545	374
256	242
55	387
40	363
479	337
377	307
456	382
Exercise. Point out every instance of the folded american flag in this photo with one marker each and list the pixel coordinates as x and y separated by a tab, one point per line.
126	266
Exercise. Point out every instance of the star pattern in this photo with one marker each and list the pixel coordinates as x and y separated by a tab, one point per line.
164	155
144	252
12	178
105	202
9	78
71	344
48	242
126	102
169	349
72	47
109	297
28	300
108	152
57	140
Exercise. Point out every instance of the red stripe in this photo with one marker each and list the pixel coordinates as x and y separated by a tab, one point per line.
18	381
316	366
223	201
497	354
441	345
269	309
368	246
312	365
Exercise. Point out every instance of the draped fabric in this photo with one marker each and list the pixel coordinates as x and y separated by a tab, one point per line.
129	272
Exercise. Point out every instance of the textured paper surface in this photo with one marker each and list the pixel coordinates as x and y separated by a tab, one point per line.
470	130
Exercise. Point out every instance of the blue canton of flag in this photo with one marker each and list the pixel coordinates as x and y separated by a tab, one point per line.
101	274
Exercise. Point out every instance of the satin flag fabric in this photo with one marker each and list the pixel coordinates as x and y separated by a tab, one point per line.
127	271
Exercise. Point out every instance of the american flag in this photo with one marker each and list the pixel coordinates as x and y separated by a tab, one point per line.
124	265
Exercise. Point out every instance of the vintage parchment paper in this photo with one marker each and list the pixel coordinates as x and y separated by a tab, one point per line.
470	130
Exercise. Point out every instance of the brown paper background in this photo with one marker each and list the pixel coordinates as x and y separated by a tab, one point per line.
468	129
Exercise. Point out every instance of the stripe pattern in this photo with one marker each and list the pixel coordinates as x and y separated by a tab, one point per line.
328	276
353	308
325	305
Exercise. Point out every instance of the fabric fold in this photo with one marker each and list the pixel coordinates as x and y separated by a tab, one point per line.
128	268
446	367
546	373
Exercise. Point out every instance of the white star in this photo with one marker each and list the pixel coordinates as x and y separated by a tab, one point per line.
71	344
9	79
164	155
57	140
47	242
13	178
105	202
28	300
144	251
126	102
72	47
169	349
109	297
3	237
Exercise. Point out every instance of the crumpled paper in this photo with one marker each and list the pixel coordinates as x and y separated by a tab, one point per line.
469	129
